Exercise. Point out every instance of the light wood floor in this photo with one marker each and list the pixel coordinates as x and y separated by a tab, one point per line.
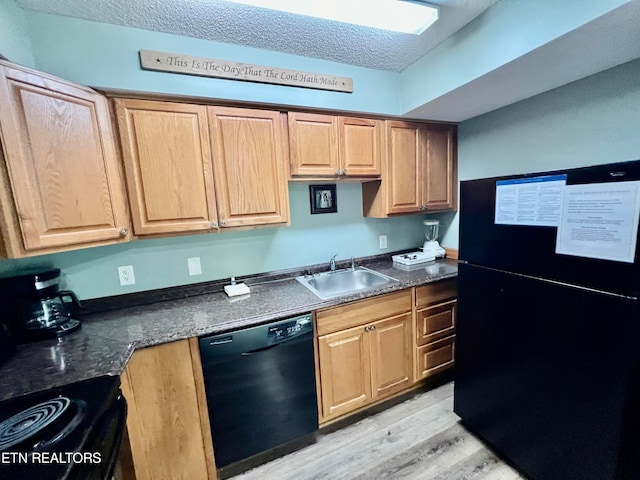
420	438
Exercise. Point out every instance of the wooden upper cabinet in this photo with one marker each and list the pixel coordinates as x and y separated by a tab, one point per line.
334	146
168	166
419	172
440	168
61	172
250	160
360	146
403	167
313	144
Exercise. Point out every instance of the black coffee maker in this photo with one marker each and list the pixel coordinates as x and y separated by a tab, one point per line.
36	308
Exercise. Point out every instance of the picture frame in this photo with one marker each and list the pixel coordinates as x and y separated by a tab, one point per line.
323	199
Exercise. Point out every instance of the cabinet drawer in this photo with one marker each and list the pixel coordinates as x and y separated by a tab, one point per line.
435	292
435	322
363	311
435	357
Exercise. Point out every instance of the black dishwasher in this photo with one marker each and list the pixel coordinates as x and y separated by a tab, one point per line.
261	388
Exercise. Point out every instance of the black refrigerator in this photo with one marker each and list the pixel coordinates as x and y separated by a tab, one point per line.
548	325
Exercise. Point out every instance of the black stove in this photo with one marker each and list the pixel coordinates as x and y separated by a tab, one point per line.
72	432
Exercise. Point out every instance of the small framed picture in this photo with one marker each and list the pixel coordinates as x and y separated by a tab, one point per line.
323	199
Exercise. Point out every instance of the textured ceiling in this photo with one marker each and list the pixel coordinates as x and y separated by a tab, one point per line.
226	22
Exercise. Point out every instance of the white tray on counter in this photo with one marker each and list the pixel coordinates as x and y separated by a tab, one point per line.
413	258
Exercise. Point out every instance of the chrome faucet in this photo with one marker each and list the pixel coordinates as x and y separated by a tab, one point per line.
332	263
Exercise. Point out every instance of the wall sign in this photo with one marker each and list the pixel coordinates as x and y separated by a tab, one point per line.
209	67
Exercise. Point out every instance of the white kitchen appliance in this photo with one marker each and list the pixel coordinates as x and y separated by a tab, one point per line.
431	245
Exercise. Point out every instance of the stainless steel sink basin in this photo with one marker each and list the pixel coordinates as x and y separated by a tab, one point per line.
343	282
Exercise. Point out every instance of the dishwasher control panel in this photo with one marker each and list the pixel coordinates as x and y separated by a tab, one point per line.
288	329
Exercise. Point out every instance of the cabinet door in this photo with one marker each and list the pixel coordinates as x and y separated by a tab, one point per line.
435	322
435	357
61	162
313	144
403	164
250	158
167	421
167	157
439	171
360	146
390	355
345	372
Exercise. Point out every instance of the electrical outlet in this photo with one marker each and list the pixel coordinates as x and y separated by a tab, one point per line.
194	266
383	241
126	275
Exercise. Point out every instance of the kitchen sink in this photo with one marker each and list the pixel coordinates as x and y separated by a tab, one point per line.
345	281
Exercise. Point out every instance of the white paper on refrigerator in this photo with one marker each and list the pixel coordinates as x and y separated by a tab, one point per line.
531	201
600	220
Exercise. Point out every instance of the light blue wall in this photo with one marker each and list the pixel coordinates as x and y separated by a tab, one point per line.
162	263
106	56
501	34
592	121
14	41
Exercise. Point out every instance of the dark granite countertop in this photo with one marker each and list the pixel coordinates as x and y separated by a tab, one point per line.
106	340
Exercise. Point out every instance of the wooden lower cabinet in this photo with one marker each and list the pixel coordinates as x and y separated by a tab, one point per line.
435	328
435	357
369	360
167	422
345	371
390	355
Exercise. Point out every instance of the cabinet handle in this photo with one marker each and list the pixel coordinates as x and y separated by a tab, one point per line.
123	232
223	223
373	327
344	171
214	224
337	172
369	328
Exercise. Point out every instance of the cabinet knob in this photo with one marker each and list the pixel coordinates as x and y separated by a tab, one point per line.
337	172
344	171
214	224
123	232
223	223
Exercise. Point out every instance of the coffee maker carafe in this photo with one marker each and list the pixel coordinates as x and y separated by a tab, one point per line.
37	309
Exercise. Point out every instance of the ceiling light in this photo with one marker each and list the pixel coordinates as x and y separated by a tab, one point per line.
396	15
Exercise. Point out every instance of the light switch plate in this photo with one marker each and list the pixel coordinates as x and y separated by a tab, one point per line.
194	266
383	241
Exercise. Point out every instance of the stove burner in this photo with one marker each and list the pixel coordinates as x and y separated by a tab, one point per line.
24	425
